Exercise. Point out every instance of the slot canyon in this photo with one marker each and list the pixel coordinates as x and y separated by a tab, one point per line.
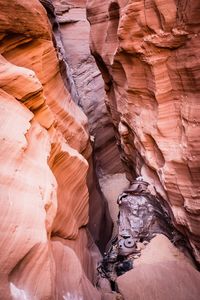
99	149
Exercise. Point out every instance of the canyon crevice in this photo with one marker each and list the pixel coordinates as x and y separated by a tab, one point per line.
99	149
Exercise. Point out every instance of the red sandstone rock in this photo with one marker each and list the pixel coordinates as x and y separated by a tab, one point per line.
43	152
87	87
45	145
148	53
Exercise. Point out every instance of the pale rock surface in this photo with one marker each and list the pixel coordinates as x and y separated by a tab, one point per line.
148	53
161	273
44	147
112	186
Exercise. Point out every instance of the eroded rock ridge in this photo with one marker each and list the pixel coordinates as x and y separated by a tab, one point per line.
46	251
148	53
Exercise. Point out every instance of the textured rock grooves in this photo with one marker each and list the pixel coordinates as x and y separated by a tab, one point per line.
148	52
87	88
59	171
45	249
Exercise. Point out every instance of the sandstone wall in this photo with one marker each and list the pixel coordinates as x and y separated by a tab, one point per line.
148	53
43	152
87	86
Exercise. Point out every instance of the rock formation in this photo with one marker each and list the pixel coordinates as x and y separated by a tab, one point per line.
45	249
59	168
161	273
142	217
148	53
87	88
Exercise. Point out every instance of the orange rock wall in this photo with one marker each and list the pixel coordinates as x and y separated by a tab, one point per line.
148	53
44	147
87	86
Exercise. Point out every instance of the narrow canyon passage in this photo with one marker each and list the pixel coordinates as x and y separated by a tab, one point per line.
100	154
106	176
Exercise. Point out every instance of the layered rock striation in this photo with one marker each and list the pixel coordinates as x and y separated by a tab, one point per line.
51	182
148	54
87	87
46	251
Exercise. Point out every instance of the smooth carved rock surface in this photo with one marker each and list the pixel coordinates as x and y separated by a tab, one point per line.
44	147
148	53
87	87
74	28
162	272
